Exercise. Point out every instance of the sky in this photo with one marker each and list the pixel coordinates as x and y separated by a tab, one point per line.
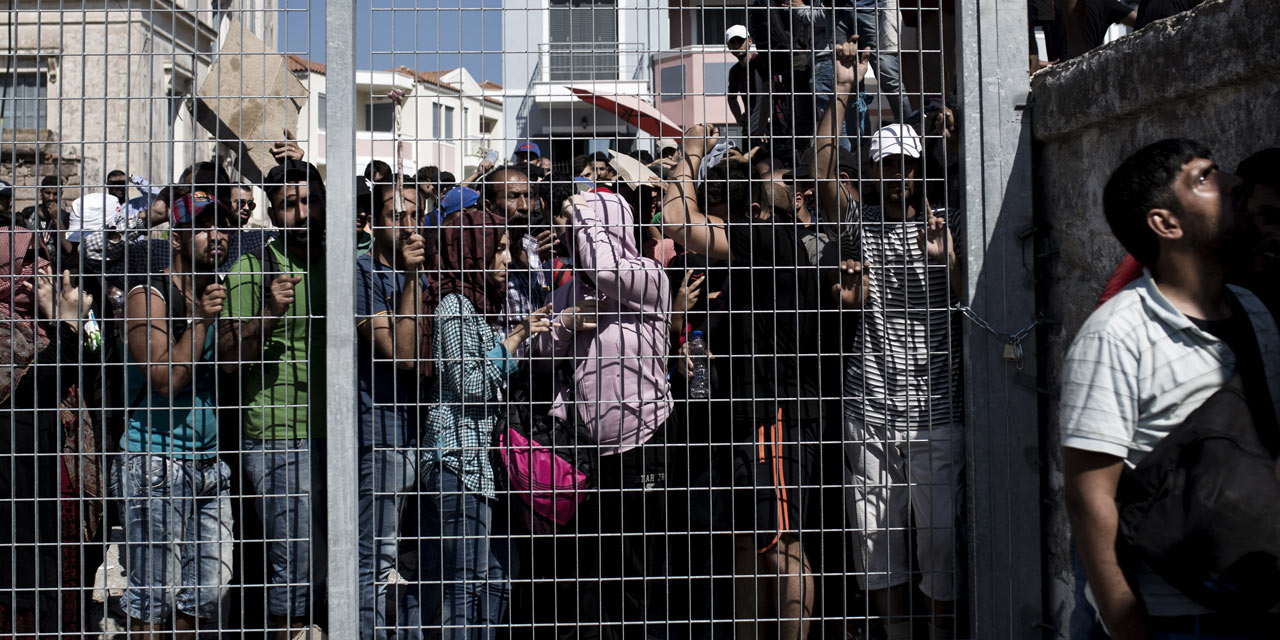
427	35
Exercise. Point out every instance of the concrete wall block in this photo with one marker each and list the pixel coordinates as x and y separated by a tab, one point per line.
1218	44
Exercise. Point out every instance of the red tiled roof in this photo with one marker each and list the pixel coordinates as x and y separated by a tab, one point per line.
427	77
489	84
298	64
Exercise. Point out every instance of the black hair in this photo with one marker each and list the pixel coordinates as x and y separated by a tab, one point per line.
116	173
727	183
381	190
581	162
205	176
292	171
1144	182
377	166
1260	168
50	181
643	156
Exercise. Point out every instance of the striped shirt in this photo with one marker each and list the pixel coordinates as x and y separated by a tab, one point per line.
471	370
1135	371
904	368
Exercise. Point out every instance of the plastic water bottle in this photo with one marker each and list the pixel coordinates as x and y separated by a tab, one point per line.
699	385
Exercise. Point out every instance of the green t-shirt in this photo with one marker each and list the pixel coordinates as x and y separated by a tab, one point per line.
275	393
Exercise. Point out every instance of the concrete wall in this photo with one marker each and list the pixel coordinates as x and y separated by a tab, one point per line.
115	70
1207	74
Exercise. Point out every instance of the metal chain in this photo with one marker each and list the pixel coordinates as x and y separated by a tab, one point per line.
1012	341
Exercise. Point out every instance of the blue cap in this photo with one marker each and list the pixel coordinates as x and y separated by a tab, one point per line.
529	147
457	199
697	334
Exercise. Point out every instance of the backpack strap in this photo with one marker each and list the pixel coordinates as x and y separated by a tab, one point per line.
1268	337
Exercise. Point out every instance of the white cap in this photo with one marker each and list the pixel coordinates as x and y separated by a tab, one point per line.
895	139
736	31
667	143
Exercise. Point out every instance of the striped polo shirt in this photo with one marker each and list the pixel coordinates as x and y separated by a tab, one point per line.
1135	371
902	374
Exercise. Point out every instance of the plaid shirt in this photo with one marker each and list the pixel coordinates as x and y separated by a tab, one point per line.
471	370
527	291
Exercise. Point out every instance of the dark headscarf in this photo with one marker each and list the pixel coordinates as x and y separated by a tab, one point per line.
467	244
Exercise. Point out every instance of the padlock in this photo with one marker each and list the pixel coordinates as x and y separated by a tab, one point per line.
1011	353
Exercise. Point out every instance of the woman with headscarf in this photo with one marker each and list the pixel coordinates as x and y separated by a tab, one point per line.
472	363
45	518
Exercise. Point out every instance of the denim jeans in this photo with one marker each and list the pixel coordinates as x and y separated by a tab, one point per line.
282	479
386	475
878	28
856	117
465	565
178	536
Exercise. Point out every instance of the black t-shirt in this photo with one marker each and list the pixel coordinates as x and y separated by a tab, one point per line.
1096	19
745	81
1151	10
1237	332
773	331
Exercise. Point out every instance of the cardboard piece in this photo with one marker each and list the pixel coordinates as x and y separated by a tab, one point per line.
248	99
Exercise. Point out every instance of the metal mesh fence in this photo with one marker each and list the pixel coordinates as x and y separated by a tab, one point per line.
616	318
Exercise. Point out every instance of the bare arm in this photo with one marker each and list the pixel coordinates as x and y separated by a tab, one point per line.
243	340
169	362
1090	483
682	220
850	68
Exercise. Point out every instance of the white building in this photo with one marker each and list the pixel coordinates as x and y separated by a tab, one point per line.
449	120
604	46
109	79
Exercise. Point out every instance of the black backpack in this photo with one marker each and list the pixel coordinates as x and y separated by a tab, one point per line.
1203	509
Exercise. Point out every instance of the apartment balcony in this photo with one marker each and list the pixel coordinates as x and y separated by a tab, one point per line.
612	68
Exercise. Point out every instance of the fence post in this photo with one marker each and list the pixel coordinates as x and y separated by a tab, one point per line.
1003	474
340	339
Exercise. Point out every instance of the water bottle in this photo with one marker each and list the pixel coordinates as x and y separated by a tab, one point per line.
699	385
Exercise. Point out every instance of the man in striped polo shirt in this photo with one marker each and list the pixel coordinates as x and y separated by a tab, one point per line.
1148	358
903	415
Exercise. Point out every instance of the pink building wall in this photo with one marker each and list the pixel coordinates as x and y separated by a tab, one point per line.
695	106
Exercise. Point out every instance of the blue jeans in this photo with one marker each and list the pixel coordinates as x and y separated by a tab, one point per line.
385	476
178	536
465	565
281	476
875	30
824	89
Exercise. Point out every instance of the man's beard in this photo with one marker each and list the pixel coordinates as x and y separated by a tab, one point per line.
1219	244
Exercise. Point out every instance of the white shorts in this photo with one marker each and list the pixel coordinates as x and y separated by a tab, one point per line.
888	480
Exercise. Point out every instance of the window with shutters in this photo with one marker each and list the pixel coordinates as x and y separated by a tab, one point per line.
22	99
448	123
583	40
435	121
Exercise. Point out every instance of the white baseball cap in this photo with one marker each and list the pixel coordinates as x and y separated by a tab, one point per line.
667	143
896	139
736	31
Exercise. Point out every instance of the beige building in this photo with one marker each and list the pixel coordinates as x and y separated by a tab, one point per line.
109	80
449	119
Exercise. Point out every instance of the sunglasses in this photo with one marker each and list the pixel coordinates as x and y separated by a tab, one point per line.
244	204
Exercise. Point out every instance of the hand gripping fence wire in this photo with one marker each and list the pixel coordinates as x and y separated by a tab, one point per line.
518	319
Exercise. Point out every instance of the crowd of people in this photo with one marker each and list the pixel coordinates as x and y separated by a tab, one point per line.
521	310
589	401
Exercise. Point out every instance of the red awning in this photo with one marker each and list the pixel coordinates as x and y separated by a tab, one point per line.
643	115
